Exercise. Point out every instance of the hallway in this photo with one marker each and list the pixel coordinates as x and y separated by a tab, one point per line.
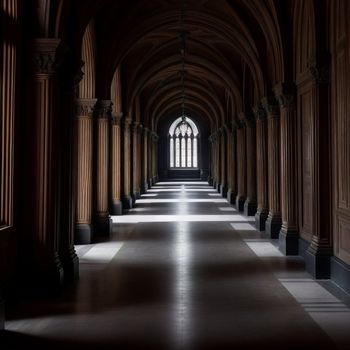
185	270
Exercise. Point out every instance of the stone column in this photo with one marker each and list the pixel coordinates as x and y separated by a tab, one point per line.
288	237
214	159
210	175
218	159
150	159
241	166
223	151
250	204
318	255
140	156
145	160
102	218
136	191
262	166
84	121
43	206
115	203
274	219
126	196
231	163
154	158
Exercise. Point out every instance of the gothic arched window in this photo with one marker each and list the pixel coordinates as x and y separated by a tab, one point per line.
183	144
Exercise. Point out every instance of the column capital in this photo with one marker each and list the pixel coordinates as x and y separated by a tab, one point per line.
116	118
103	109
85	107
318	67
271	106
259	112
127	121
135	126
154	136
285	94
247	119
47	55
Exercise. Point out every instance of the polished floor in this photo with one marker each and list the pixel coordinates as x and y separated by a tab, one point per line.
184	270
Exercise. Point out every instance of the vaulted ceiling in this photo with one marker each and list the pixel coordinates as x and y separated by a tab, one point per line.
234	54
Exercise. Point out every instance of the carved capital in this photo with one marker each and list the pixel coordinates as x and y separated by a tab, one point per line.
154	136
103	109
127	121
259	112
116	118
271	106
47	55
247	119
319	68
285	94
85	107
135	126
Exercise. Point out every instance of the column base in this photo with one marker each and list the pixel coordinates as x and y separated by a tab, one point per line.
83	234
150	183
240	203
340	273
103	226
2	313
135	196
250	208
260	219
48	281
231	198
210	181
218	186
70	263
273	226
127	202
144	188
116	208
223	191
214	184
155	180
318	264
288	242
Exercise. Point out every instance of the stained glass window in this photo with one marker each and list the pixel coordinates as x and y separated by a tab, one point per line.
183	143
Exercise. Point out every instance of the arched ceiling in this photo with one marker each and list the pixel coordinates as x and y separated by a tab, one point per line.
232	47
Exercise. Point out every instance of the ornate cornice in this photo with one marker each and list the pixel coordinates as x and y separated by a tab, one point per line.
285	94
85	107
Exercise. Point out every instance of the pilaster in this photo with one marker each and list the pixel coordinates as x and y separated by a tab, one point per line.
274	221
116	207
261	171
145	136
241	165
289	235
126	196
102	218
250	205
84	122
318	255
224	158
136	190
43	204
231	163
